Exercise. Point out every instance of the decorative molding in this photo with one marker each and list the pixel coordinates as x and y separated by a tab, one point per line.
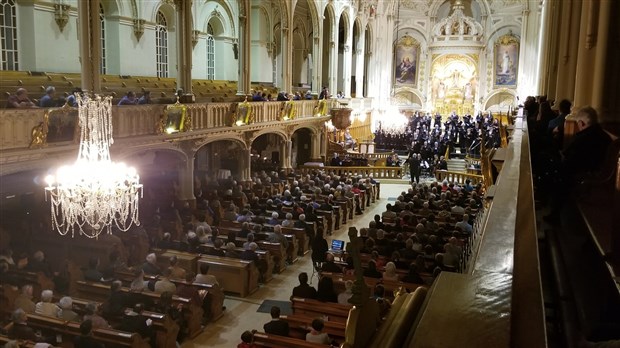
138	28
61	15
195	37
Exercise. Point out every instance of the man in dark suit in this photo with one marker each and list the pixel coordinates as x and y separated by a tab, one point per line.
86	340
329	265
276	326
134	321
304	290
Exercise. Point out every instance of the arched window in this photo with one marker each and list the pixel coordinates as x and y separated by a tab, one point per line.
210	53
161	45
8	29
102	19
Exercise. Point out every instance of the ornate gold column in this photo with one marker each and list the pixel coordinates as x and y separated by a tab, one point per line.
568	47
90	49
184	46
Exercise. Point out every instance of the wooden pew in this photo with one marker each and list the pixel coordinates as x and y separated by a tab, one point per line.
262	339
334	329
237	276
313	308
167	329
213	293
69	330
100	292
38	280
8	293
262	255
303	243
276	250
389	285
22	344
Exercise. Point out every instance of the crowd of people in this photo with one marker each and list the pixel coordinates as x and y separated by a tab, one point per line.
21	99
428	136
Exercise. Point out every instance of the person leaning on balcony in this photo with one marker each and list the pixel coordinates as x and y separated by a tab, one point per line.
19	100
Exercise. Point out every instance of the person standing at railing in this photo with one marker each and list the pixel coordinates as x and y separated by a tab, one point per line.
19	100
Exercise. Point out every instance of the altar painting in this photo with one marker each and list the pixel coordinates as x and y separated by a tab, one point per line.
406	53
506	61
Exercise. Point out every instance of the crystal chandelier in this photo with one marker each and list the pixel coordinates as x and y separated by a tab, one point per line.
94	194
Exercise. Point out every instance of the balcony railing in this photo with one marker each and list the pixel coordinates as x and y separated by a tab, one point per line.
16	125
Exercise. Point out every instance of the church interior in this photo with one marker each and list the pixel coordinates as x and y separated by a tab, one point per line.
309	173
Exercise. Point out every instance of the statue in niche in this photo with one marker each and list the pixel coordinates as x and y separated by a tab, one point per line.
506	63
456	77
468	91
441	91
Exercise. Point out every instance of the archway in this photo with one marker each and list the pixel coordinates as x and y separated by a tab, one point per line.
302	54
267	152
219	160
302	147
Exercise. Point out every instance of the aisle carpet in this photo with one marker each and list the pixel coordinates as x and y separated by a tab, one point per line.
285	307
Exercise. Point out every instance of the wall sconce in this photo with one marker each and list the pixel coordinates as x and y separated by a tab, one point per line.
61	15
138	28
195	38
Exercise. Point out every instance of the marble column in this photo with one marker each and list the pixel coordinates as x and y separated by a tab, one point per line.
316	65
184	46
586	54
245	164
287	60
90	49
242	49
186	179
359	66
288	154
568	47
602	48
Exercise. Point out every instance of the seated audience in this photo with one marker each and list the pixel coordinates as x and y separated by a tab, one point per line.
204	278
276	326
128	99
326	292
20	329
316	334
329	265
464	224
24	299
93	313
45	306
150	266
47	101
92	273
66	309
176	272
371	270
343	297
247	340
390	272
412	275
304	290
134	321
164	283
19	100
86	339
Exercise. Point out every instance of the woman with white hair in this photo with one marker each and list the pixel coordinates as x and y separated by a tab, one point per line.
274	219
150	265
288	222
390	272
46	307
343	297
66	309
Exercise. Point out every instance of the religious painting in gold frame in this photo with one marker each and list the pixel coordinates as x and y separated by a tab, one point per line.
243	115
58	125
506	61
175	119
288	111
406	57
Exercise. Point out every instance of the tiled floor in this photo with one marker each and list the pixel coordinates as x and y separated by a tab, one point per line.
241	315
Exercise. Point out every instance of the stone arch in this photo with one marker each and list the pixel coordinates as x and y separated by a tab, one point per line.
496	95
276	131
344	15
329	8
212	9
168	11
434	8
112	7
137	151
267	27
284	13
229	137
